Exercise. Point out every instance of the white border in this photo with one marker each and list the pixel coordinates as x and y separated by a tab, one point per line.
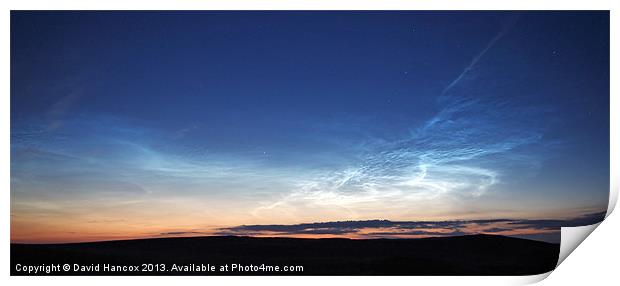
311	5
285	5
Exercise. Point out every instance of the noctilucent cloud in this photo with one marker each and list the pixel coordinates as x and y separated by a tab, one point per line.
139	124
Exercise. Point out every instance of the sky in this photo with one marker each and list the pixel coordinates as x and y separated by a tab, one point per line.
146	124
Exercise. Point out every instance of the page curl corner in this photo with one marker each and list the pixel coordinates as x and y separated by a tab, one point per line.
572	237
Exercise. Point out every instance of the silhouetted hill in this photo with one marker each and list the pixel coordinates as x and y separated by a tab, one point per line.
463	255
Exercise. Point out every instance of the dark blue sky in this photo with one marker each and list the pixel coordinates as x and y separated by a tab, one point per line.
397	115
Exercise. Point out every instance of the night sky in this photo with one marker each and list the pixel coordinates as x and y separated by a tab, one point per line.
133	124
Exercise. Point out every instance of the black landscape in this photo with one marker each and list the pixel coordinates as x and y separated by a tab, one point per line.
462	255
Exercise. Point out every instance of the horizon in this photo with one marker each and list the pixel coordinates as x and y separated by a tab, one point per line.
128	124
546	230
271	237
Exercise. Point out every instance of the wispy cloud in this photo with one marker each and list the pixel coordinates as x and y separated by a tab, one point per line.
547	224
465	149
474	61
58	110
